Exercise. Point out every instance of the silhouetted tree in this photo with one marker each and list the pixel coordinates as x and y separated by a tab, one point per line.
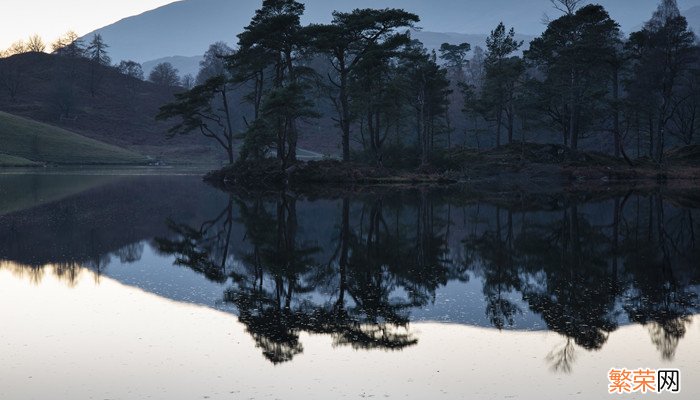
664	54
131	69
373	88
347	41
133	73
36	44
69	45
455	58
566	6
502	74
204	108
97	51
188	81
164	74
213	63
275	33
426	88
17	47
571	55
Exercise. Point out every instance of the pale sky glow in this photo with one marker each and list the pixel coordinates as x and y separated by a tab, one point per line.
50	18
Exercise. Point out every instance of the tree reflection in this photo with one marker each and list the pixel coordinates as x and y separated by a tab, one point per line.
584	278
494	258
131	253
387	258
660	258
562	358
358	268
575	299
204	249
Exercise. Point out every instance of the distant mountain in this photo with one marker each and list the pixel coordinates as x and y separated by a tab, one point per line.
186	28
431	40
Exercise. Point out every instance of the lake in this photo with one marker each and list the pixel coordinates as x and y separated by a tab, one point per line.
152	285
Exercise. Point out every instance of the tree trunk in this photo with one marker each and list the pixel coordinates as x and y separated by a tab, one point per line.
574	128
510	127
659	146
344	250
651	136
292	138
345	113
229	126
572	113
616	112
499	123
423	130
449	129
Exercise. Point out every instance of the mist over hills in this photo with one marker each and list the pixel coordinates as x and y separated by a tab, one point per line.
187	27
431	40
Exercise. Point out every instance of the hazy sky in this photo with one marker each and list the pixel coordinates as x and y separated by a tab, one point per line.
51	18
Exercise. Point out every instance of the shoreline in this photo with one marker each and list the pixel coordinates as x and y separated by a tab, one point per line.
269	174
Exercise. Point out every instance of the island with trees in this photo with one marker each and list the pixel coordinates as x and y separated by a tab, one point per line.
582	100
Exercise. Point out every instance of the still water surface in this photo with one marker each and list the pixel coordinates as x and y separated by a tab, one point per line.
130	287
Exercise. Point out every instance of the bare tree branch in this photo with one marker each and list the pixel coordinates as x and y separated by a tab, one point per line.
566	6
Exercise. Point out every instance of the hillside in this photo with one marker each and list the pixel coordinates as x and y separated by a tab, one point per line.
56	90
24	141
186	28
97	102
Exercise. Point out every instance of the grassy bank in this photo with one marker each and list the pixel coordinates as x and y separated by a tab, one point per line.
25	141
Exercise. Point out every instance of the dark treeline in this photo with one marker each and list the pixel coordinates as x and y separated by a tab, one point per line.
582	84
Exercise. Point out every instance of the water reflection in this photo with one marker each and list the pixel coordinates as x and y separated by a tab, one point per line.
583	268
361	267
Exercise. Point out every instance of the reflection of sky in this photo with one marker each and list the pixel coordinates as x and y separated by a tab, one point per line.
157	274
113	341
463	302
458	302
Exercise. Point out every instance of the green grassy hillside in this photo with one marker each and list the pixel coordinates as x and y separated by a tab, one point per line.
30	140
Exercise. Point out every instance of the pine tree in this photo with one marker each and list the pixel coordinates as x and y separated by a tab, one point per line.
276	36
573	54
502	73
97	51
663	54
347	41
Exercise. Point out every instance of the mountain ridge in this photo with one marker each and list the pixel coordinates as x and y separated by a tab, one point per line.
187	27
431	40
